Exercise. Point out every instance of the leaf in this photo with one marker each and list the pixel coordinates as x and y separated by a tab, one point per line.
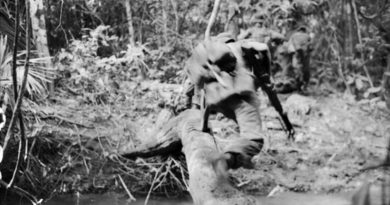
359	47
1	156
366	94
359	83
350	80
374	89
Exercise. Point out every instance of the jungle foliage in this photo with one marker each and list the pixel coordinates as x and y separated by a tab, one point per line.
96	66
350	46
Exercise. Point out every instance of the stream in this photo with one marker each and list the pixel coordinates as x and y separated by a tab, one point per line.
119	199
95	199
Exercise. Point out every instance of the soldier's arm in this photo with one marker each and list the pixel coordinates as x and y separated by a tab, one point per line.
267	87
259	57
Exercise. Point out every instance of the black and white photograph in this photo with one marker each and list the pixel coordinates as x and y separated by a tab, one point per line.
194	102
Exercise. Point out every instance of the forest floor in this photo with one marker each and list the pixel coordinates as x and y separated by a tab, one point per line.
336	138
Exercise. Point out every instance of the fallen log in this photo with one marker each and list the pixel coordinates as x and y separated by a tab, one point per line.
206	162
163	140
207	167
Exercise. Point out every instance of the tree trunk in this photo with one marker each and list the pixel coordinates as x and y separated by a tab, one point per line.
129	14
208	180
231	25
38	25
212	18
164	6
386	83
349	39
359	35
163	140
175	7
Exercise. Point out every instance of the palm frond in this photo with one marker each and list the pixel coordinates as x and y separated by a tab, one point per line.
5	56
38	77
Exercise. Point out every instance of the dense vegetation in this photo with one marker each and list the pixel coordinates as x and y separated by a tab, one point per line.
116	63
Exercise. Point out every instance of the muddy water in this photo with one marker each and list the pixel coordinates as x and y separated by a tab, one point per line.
94	199
112	199
116	199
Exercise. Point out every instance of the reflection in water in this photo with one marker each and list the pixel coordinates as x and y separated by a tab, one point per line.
95	199
286	198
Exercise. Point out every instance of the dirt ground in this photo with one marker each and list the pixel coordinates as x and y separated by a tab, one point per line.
336	139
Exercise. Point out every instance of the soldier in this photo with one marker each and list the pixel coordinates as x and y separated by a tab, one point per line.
227	69
293	59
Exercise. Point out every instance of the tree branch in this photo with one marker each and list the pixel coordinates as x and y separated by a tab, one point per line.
354	10
22	193
14	67
212	19
22	90
129	15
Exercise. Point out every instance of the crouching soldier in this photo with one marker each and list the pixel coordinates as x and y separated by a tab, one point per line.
225	75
